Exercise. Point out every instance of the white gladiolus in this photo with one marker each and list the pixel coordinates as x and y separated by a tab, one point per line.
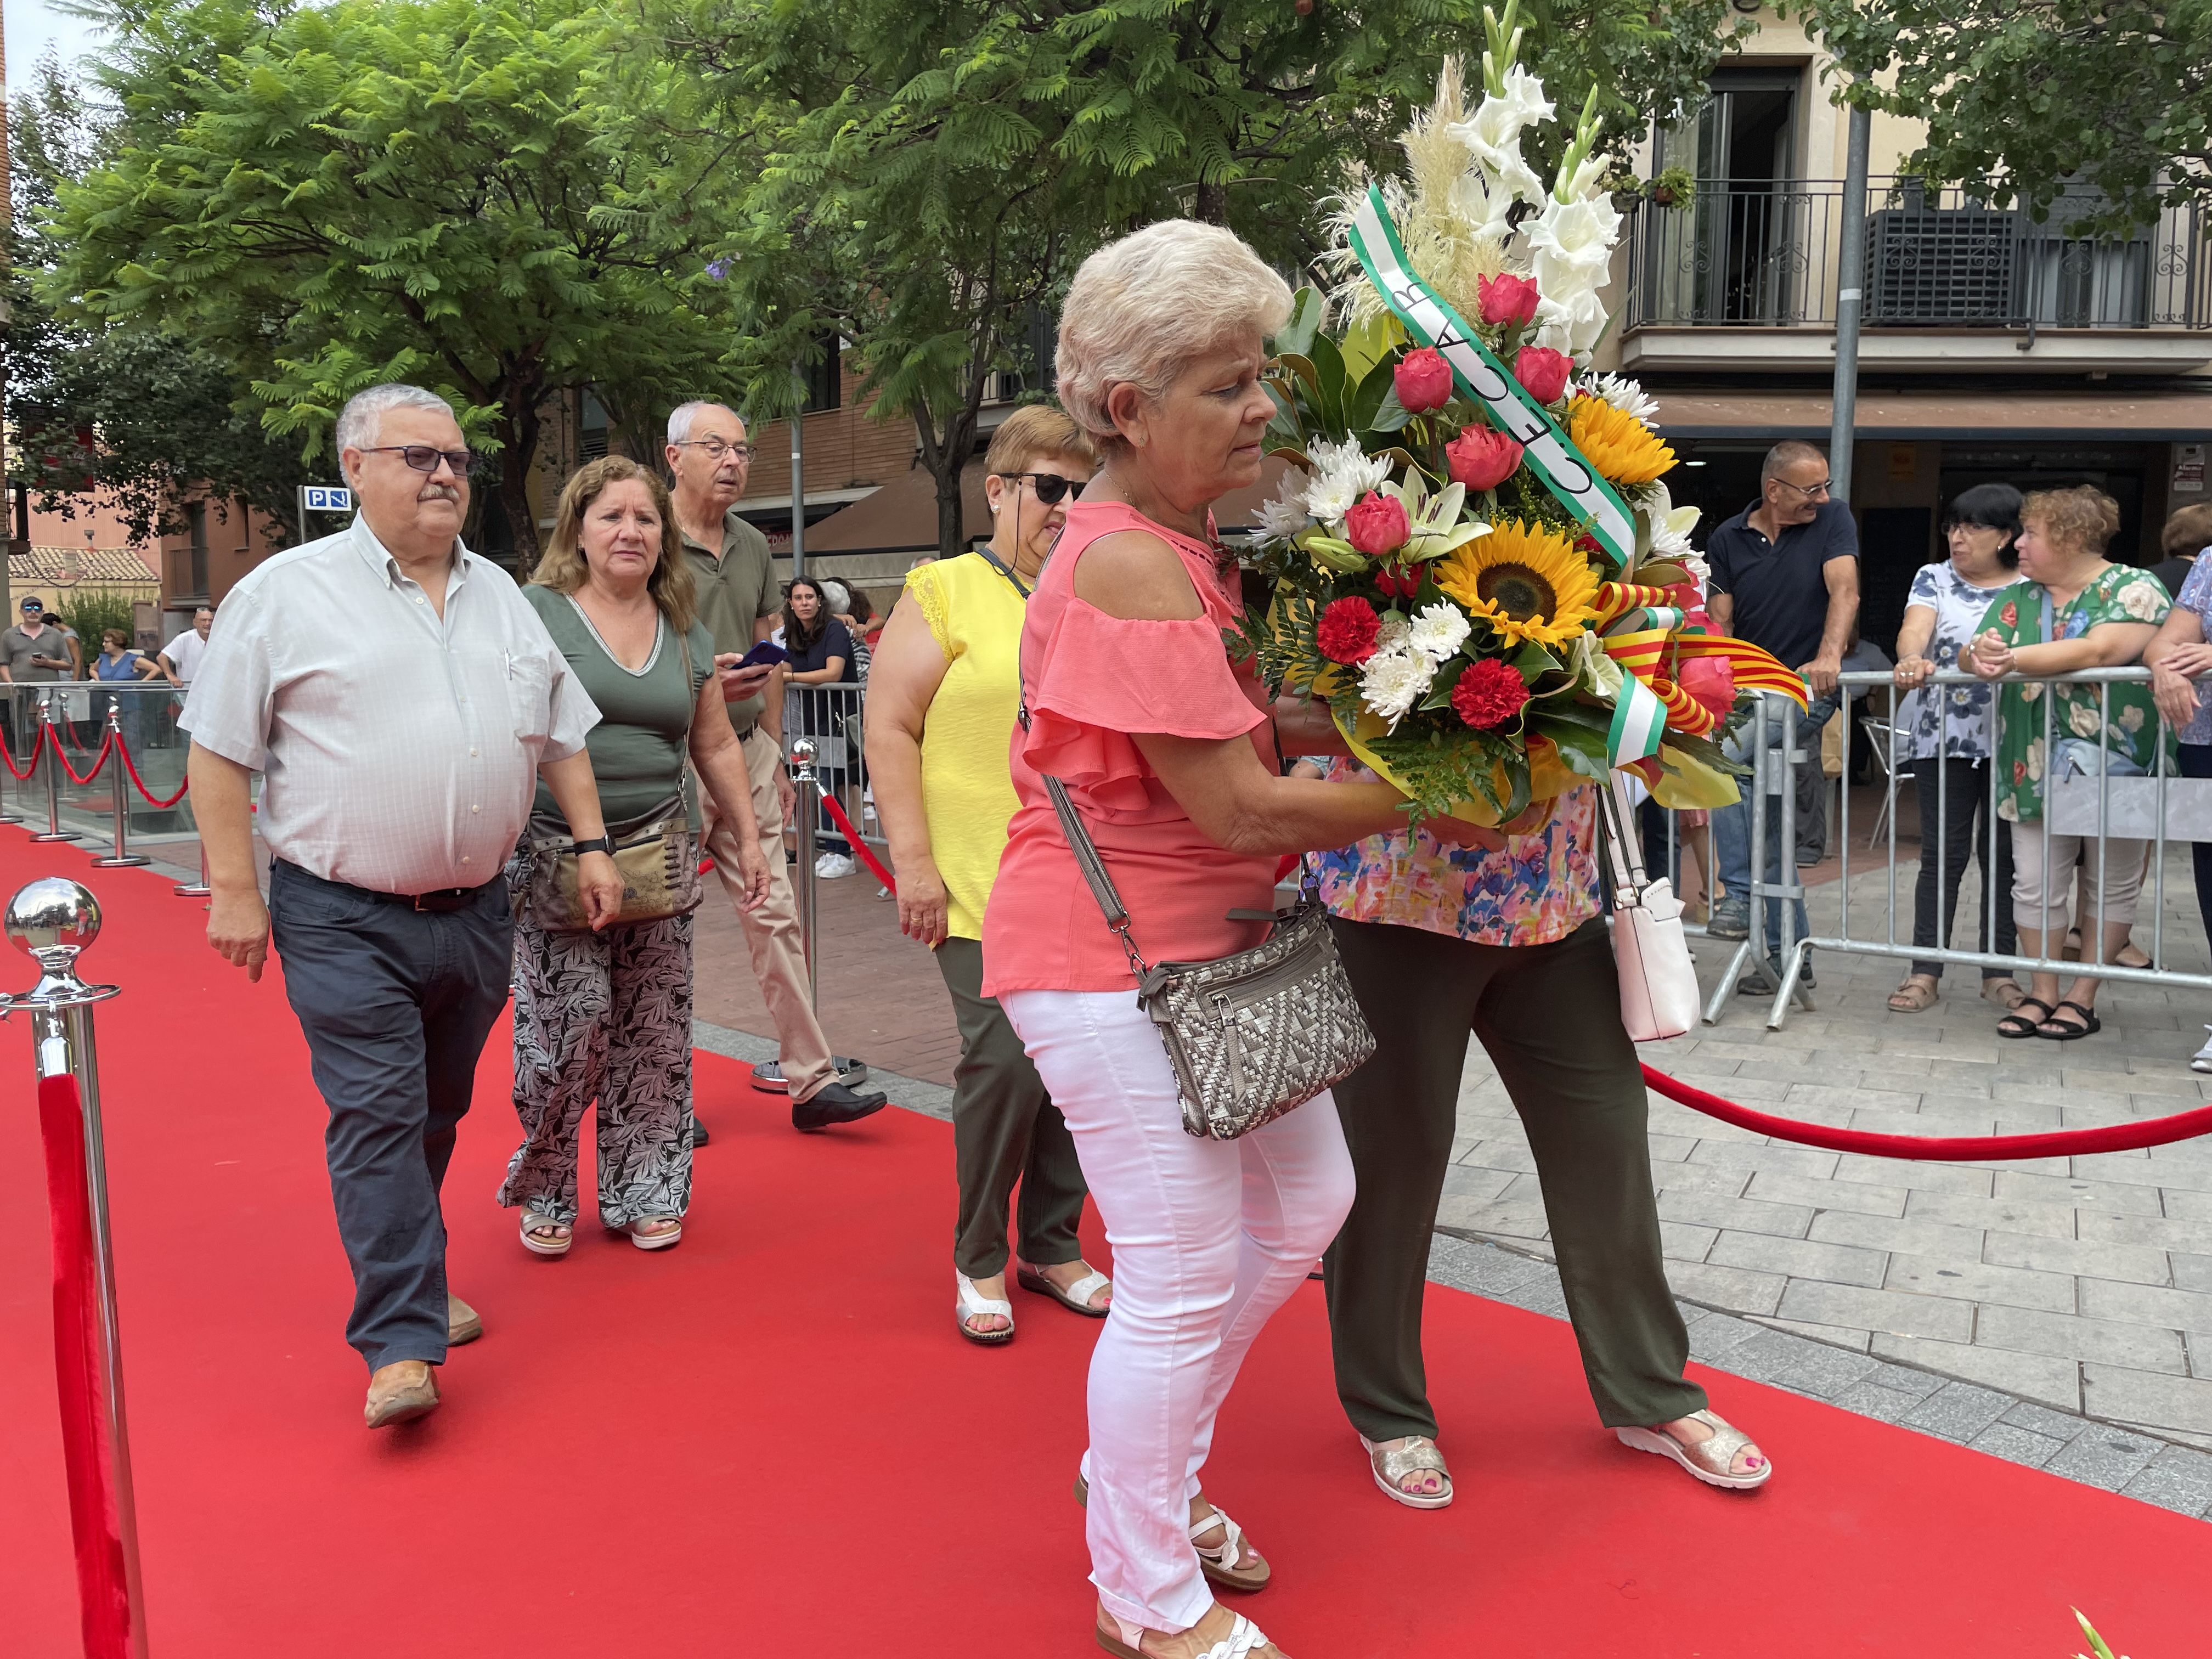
1575	325
1573	245
1393	681
1493	137
1437	631
1342	474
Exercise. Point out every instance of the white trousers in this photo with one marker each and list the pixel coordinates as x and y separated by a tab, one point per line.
1210	1238
2040	897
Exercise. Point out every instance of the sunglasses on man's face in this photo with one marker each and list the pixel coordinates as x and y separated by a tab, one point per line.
1051	488
424	458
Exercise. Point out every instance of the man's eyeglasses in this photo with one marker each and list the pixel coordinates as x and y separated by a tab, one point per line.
424	458
1051	488
1807	491
716	448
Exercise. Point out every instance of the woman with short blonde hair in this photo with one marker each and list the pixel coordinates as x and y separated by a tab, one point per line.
1168	757
941	710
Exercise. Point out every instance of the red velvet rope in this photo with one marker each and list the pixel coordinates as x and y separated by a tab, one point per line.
2055	1143
61	754
86	1452
139	783
31	766
859	847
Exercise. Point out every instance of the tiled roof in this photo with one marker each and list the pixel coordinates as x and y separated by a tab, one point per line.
62	566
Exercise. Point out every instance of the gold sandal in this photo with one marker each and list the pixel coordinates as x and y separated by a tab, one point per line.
1710	1460
1392	1461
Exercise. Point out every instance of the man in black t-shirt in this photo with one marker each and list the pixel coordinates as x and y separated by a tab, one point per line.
1784	577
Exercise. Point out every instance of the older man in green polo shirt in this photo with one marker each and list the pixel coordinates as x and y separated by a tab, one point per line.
709	458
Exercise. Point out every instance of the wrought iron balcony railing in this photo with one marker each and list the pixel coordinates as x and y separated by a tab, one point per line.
1764	253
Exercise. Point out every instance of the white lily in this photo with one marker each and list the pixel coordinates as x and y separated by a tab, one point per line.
1593	668
1670	524
1435	528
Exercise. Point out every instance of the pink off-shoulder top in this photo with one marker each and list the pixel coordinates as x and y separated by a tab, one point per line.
1092	680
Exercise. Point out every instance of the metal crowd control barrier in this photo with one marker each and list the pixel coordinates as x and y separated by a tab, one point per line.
831	718
2086	811
805	788
54	920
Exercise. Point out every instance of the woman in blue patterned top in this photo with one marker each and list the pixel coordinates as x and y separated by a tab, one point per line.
1945	732
2176	657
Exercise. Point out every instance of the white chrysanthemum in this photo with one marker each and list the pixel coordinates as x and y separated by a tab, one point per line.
1622	392
1393	681
1283	518
1342	474
1437	631
1393	632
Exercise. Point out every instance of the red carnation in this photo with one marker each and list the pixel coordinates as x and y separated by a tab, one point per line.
1488	695
1507	300
1377	525
1543	372
1424	381
1481	459
1347	631
1710	682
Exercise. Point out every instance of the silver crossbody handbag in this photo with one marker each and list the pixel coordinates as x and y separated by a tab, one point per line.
1251	1035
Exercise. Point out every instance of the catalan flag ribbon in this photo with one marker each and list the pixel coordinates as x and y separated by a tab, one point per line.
1644	634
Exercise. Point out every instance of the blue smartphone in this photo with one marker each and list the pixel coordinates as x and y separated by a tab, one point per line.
767	650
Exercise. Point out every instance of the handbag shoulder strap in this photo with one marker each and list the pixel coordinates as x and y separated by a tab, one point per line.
1616	817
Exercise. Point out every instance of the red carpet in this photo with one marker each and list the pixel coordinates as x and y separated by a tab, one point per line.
771	1441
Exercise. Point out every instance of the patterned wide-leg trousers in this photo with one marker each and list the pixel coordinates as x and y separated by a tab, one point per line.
604	1017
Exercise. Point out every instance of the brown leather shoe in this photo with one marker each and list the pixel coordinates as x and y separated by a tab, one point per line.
462	1324
400	1393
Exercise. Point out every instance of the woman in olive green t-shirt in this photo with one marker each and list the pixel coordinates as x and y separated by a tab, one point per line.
607	1016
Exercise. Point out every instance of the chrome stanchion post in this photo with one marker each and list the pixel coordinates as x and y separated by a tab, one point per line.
53	921
196	889
8	773
807	788
122	857
50	738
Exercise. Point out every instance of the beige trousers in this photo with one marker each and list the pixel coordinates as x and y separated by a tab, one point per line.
772	933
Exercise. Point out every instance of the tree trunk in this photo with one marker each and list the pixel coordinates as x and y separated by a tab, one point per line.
521	433
1212	205
952	533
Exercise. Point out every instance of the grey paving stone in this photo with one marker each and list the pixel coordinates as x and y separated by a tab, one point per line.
2194	1238
1796	1363
1772	1186
1721	1179
1781	1160
2191	1273
1679	1241
2017	1445
1871	1398
1712	1209
1716	1334
2147	1305
2042	1420
2176	1479
2137	1264
2069	1336
1732	1288
1538	1296
1958	1411
1986	1215
2077	1192
1836	1336
1524	1220
1840	1264
1907	1235
2050	1379
2104	1457
1474	1185
2136	1396
1482	1268
2018	1287
1904	1379
1887	1311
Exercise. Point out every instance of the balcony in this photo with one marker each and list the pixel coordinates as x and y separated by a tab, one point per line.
1746	277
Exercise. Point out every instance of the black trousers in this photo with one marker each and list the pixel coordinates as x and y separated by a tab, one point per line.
1549	1016
1966	829
396	1003
2197	762
1005	1129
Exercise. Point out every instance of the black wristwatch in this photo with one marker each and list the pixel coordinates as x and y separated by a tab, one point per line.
597	844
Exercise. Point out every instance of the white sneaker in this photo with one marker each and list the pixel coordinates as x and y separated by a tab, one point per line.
831	866
2201	1060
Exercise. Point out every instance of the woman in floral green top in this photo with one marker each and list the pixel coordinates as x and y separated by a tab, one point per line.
2075	611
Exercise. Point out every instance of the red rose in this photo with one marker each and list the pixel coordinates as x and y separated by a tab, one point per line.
2010	615
1710	682
1507	300
1347	630
1377	525
1481	459
1489	694
1543	373
1424	381
1398	584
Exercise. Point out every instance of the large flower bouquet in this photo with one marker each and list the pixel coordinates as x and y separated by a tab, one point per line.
1477	562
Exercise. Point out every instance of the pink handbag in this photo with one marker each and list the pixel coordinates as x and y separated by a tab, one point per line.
1658	981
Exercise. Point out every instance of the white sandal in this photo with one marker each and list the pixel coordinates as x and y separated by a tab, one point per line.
971	1305
659	1241
1077	1298
1711	1459
1392	1461
1126	1640
1217	1561
532	1222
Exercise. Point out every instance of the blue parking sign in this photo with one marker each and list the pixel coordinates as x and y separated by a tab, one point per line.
327	498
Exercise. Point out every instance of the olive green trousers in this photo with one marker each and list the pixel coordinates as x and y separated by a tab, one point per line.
1549	1016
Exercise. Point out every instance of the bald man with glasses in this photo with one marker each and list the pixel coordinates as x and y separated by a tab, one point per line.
1785	576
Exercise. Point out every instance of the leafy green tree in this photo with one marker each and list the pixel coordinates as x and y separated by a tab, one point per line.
930	173
457	192
2032	95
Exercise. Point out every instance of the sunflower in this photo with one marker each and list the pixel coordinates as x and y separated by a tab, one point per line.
1621	447
1527	582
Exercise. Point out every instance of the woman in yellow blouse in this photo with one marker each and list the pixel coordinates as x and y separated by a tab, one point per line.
943	693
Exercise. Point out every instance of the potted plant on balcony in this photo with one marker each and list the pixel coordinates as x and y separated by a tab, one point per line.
1625	187
1673	187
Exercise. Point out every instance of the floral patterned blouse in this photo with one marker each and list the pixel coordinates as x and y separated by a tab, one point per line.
1948	722
2118	594
1539	888
2196	595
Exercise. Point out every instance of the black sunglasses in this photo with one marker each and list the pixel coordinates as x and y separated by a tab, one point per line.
424	458
1051	488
